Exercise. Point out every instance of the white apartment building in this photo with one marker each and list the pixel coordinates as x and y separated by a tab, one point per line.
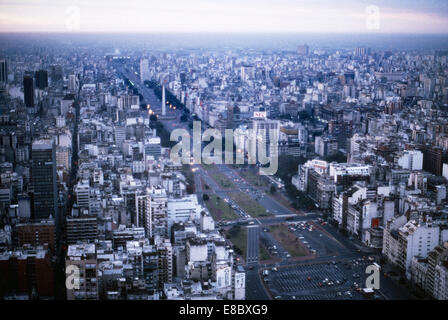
411	160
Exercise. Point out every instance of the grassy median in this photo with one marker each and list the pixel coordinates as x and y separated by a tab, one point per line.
219	209
238	236
249	205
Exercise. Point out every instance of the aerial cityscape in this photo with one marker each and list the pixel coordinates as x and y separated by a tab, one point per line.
224	156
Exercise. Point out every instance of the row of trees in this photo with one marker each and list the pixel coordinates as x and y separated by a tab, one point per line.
287	167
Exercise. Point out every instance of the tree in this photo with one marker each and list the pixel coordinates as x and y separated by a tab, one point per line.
234	231
205	197
272	190
338	157
304	115
287	167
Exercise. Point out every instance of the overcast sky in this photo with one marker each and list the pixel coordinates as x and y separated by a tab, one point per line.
321	16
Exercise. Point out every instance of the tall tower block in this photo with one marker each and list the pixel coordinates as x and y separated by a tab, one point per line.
163	101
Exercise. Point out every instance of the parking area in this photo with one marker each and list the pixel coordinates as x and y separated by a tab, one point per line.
330	280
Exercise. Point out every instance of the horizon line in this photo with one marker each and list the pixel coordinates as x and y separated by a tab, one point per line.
222	32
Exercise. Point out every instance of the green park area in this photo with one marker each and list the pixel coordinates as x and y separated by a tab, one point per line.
219	209
264	253
222	180
262	182
219	177
253	178
288	240
238	236
249	205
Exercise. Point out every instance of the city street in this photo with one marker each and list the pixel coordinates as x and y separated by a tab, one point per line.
328	245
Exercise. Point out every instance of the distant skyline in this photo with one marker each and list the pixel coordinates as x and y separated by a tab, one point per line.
319	16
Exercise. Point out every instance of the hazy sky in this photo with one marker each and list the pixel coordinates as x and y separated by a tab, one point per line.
341	16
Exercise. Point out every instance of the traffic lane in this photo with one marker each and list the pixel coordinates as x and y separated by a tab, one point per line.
313	244
334	232
254	286
270	202
320	241
266	201
392	290
252	244
275	220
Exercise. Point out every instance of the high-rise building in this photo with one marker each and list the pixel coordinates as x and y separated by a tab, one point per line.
27	272
325	146
247	72
56	73
72	82
144	69
28	91
165	263
435	257
37	233
153	147
303	50
441	281
163	100
410	159
361	52
43	177
82	191
83	259
41	77
433	159
159	211
3	70
267	131
84	228
143	212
